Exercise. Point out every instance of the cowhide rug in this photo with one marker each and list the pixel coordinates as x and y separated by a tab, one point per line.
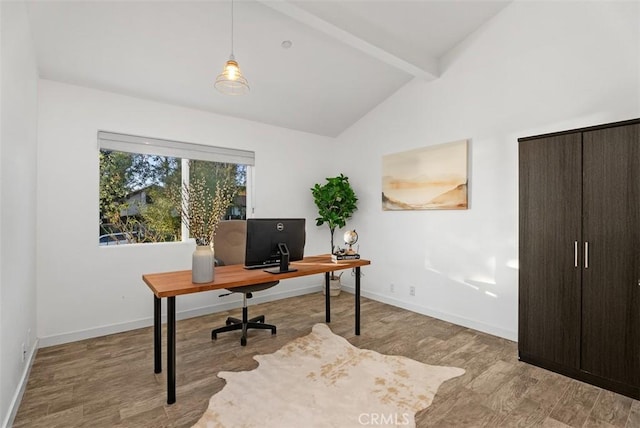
321	380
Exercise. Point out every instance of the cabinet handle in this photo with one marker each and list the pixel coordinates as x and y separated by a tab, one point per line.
575	253
586	255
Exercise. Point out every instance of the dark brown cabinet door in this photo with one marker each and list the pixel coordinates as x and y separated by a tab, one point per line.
610	279
550	229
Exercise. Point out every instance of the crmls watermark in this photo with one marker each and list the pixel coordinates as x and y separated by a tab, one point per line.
384	419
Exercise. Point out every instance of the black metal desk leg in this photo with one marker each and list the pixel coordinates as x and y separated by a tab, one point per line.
327	300
358	301
171	350
157	334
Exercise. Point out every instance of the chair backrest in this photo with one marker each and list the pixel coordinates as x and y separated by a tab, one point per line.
230	241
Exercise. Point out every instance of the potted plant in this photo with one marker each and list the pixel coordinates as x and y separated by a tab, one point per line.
336	202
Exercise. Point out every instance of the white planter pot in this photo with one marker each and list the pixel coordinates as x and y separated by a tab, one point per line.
334	287
202	264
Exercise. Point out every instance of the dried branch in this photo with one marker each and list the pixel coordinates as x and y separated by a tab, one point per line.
202	211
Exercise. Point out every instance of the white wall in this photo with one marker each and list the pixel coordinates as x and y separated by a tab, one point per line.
536	67
85	290
18	106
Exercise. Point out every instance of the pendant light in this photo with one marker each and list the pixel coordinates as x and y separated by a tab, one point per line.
231	81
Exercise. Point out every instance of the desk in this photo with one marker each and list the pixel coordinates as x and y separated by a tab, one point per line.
172	284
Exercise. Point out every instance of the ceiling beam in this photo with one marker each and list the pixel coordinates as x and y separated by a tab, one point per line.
428	73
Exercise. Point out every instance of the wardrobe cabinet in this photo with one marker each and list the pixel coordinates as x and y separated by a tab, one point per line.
579	250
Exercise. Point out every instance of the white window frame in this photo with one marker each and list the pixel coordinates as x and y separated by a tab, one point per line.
184	151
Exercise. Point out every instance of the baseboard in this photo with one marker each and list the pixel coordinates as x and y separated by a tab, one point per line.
180	315
22	386
452	318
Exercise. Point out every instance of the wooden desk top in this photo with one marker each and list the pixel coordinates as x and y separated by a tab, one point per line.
169	284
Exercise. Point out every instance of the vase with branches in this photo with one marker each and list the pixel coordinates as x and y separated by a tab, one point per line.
201	211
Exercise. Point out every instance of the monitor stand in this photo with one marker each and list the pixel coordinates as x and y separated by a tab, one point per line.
284	261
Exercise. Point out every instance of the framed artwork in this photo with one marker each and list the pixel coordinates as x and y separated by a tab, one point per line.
429	178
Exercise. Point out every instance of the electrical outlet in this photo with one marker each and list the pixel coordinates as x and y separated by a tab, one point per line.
24	352
412	291
392	288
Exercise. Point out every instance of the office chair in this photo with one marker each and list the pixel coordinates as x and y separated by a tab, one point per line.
230	241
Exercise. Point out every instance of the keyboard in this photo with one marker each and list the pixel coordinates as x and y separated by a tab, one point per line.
266	265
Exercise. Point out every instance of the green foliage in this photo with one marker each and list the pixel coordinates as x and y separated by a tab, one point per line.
336	202
113	181
160	219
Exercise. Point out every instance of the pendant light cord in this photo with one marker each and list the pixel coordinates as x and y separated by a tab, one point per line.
231	27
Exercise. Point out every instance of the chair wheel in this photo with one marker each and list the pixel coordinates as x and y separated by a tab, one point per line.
214	336
243	341
228	322
273	331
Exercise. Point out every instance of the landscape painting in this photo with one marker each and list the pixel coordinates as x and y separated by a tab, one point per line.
429	178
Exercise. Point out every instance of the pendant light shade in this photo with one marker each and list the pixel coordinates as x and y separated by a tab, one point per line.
231	81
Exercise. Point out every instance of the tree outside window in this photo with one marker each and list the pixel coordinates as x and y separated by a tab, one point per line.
135	194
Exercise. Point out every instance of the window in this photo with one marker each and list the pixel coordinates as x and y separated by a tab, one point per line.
141	182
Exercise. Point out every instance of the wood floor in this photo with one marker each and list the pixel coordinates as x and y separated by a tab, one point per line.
109	381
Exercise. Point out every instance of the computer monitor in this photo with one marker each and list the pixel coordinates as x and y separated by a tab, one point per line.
274	242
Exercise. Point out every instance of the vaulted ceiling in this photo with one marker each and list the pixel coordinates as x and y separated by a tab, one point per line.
345	56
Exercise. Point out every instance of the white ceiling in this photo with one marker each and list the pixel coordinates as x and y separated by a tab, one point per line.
346	58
